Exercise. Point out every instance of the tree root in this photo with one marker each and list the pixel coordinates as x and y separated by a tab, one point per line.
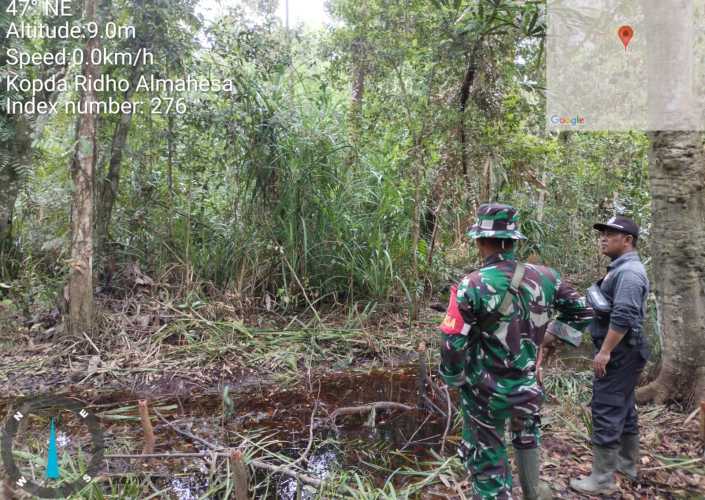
666	388
656	391
660	390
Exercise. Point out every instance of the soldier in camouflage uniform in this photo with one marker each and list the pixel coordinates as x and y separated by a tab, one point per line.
490	346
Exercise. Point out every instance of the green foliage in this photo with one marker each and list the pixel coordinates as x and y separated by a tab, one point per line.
288	189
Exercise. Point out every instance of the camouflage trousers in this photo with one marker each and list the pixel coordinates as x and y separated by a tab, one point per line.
483	450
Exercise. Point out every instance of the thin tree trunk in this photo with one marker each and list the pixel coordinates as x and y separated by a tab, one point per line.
111	183
464	95
542	196
486	182
80	285
677	176
170	173
359	73
358	89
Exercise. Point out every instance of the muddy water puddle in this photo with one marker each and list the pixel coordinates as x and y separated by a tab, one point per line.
274	425
277	424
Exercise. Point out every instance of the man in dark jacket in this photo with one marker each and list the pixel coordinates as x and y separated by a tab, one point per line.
621	351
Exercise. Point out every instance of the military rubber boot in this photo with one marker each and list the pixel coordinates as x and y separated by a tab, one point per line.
528	462
628	455
601	480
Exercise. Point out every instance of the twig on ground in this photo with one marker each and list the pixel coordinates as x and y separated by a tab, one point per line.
422	372
675	465
448	421
91	342
414	434
278	469
433	406
131	456
692	415
434	386
304	455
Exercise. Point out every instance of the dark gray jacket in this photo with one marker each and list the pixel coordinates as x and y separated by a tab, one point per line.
626	286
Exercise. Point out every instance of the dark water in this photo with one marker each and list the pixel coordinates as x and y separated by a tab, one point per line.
374	444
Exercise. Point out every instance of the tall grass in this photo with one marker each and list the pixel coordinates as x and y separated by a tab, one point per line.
288	215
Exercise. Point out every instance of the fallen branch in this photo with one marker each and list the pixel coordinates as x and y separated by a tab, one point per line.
675	465
381	405
188	434
132	456
279	469
434	386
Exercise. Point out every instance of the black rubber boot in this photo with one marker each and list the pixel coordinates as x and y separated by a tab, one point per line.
628	456
601	480
528	463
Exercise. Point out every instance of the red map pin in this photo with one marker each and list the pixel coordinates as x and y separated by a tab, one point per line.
626	33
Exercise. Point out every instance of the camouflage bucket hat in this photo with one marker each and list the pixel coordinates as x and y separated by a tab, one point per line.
496	221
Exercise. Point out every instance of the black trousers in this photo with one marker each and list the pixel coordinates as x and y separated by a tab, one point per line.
613	403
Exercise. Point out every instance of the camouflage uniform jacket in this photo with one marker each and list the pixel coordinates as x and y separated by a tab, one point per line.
506	350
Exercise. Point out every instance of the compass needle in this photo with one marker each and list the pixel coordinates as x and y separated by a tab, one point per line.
52	458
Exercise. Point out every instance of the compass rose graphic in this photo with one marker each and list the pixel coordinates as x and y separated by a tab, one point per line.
73	435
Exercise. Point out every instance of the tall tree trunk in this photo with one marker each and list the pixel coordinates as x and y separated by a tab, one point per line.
110	184
359	74
80	285
677	174
464	95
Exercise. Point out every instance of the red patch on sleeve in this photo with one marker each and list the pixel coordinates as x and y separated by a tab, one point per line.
453	322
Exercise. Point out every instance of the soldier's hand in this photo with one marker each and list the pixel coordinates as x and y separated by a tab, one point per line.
600	363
